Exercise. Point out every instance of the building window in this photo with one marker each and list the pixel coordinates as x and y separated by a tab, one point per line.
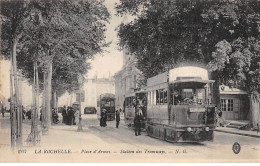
227	105
230	105
223	105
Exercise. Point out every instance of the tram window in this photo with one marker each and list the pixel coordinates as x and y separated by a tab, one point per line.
127	101
149	98
130	101
165	96
187	93
157	96
112	103
154	97
161	96
151	101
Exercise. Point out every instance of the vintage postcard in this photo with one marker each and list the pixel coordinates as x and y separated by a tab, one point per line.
130	81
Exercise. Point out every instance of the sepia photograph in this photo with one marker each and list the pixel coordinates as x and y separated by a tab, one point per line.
130	81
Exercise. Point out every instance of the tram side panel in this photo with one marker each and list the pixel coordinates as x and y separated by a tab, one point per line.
157	119
191	126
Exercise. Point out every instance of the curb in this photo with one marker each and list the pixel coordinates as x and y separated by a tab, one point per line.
243	134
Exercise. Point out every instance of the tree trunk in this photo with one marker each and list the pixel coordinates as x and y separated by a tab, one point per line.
54	99
43	111
57	100
254	112
48	94
17	103
37	96
216	93
13	113
32	134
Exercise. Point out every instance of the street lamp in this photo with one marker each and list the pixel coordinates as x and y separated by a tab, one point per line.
80	80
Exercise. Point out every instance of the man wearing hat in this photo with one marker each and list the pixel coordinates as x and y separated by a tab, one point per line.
117	118
137	121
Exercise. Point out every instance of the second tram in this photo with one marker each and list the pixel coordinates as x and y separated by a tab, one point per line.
106	101
134	101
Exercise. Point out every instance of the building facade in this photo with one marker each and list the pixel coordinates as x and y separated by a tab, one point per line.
127	79
92	88
95	87
234	103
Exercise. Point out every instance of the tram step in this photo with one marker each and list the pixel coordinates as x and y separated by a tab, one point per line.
235	126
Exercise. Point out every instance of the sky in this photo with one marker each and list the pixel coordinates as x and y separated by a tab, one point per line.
111	61
103	65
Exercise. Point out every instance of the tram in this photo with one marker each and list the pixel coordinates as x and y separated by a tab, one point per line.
106	101
179	105
134	101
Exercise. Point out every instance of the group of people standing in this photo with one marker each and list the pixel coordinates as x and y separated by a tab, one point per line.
68	115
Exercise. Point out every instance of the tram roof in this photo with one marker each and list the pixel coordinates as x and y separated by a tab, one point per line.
133	93
195	80
188	71
106	95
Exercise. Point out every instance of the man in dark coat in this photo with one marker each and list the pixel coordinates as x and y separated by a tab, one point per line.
3	111
64	115
70	116
137	122
103	120
29	114
55	116
117	118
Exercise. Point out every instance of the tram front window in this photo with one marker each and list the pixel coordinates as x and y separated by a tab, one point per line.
188	96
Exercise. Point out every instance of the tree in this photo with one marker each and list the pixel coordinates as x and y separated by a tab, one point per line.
237	58
223	35
60	36
13	15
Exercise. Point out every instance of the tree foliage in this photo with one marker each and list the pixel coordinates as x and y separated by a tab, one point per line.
222	34
63	33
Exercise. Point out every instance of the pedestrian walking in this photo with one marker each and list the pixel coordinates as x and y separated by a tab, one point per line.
137	121
117	118
3	112
103	120
76	115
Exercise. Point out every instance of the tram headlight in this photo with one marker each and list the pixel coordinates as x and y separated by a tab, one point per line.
207	129
189	129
